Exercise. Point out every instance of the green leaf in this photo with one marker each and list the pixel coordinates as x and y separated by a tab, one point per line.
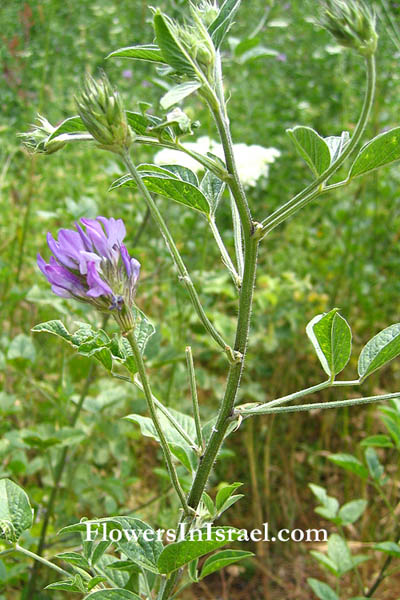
322	590
179	172
148	52
213	188
379	351
223	22
383	150
174	439
115	594
180	553
178	93
137	122
225	492
73	558
330	335
329	504
339	553
351	511
325	561
169	187
171	49
379	441
22	348
311	147
75	584
374	466
349	463
222	559
72	125
16	513
137	549
390	548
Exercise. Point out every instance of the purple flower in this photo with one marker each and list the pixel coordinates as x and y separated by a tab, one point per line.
91	263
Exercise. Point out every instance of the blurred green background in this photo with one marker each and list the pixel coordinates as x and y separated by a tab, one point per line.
342	251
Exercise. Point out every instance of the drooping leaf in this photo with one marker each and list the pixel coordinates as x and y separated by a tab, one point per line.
16	513
223	22
180	553
383	150
178	93
169	187
322	590
379	351
349	463
171	49
311	147
147	52
330	335
222	559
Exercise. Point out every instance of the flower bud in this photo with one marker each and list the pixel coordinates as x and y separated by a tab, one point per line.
352	23
101	110
208	12
37	140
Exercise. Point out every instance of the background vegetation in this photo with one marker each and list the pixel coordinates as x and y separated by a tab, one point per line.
342	252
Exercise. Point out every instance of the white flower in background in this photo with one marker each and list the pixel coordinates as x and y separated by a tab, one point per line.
252	161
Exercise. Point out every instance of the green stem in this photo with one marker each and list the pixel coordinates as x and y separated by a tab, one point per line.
234	376
320	405
217	106
285	399
310	192
167	414
153	413
251	238
183	272
42	560
224	252
195	400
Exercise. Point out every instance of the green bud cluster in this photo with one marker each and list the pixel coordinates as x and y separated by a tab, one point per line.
208	11
352	23
37	140
101	110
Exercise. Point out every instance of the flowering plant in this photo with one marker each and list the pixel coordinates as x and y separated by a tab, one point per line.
92	264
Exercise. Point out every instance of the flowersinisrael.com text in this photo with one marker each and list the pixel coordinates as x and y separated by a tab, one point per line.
103	532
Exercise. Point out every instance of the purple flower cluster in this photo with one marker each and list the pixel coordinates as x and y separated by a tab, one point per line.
92	264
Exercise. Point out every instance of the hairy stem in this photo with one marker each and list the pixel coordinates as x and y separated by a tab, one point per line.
153	413
183	272
195	400
313	190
